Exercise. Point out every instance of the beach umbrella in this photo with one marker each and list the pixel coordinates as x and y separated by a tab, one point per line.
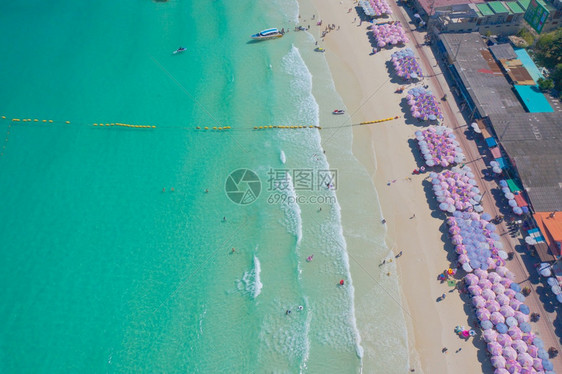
490	335
511	321
503	301
498	289
524	309
486	325
501	327
519	296
520	317
532	350
559	298
502	255
538	342
556	289
515	304
506	310
547	365
481	274
483	314
537	364
474	289
485	284
502	270
471	279
492	306
466	267
498	362
501	371
478	301
504	340
488	294
528	338
509	353
514	332
494	348
525	360
496	318
519	345
505	282
525	327
510	293
515	287
541	353
513	367
552	281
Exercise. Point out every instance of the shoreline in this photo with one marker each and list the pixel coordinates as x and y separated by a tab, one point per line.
365	86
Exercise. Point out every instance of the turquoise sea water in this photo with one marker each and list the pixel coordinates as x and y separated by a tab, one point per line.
105	268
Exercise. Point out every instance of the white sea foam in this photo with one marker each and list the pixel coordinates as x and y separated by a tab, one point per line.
288	202
251	282
283	158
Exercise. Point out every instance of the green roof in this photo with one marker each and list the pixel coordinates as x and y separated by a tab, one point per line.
484	9
524	3
497	7
515	8
513	185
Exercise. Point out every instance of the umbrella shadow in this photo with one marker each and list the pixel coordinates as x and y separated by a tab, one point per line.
432	201
394	77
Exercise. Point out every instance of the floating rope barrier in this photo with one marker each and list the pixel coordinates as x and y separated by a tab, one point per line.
379	120
287	127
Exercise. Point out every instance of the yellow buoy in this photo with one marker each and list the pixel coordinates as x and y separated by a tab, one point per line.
197	128
206	128
3	117
228	127
64	122
35	120
50	121
220	128
95	124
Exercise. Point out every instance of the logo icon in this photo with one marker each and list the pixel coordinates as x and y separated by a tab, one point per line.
242	186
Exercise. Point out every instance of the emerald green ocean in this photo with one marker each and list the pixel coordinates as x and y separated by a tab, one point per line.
121	250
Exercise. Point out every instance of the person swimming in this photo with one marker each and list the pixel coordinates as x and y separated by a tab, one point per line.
300	307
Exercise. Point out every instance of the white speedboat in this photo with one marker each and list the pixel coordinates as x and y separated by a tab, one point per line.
267	34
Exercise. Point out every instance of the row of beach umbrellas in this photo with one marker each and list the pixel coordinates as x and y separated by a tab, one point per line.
389	34
406	65
476	242
504	319
375	8
510	197
423	104
439	147
456	189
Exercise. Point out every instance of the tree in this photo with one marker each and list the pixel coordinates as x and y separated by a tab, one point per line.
556	76
548	49
545	84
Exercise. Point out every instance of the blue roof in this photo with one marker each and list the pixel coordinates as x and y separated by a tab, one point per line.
533	99
491	142
528	63
501	162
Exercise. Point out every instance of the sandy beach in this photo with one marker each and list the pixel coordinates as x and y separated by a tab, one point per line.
385	150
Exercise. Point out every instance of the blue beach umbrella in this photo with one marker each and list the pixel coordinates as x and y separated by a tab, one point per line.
502	328
525	327
538	342
519	296
542	354
486	325
524	309
547	365
515	287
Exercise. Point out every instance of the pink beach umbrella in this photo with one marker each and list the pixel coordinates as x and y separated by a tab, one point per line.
488	294
504	340
507	311
528	338
483	314
481	274
463	259
498	362
501	371
537	364
496	318
502	300
490	335
485	284
492	306
478	301
509	293
525	360
509	353
471	279
515	333
506	282
494	277
521	317
502	271
474	290
494	348
519	345
532	350
498	289
513	367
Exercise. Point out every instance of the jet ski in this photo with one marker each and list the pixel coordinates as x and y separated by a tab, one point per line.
180	50
338	111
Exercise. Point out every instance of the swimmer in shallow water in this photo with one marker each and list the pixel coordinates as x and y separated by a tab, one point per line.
300	307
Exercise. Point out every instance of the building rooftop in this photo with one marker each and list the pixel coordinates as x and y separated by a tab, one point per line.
429	6
485	9
533	99
515	8
497	7
488	88
503	51
533	142
524	3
